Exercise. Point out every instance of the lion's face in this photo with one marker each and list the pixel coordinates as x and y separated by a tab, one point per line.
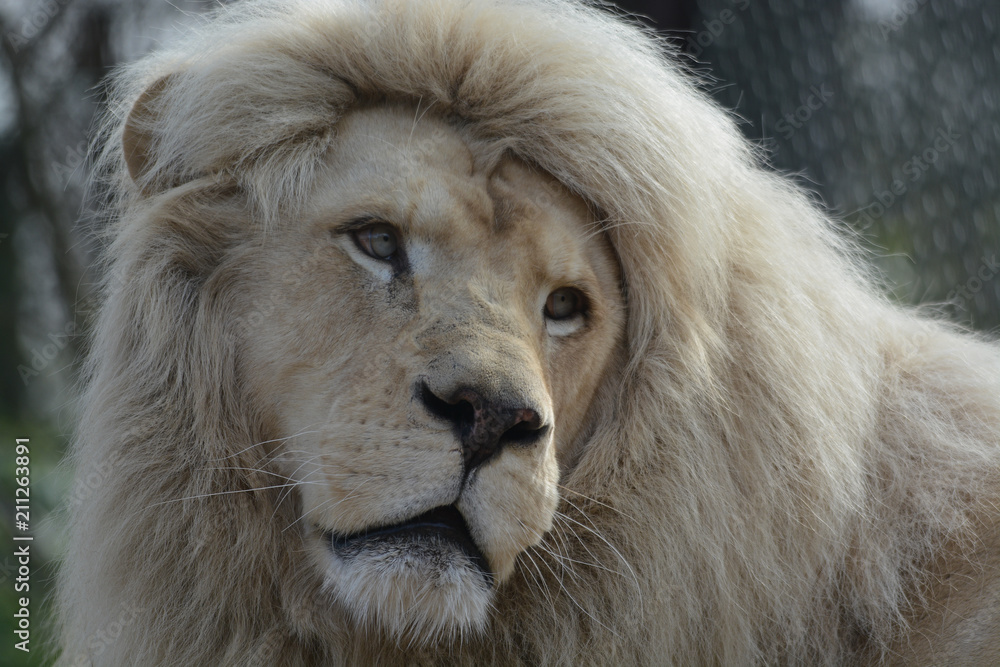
434	339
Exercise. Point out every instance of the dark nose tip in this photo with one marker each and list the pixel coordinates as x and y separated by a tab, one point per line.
484	427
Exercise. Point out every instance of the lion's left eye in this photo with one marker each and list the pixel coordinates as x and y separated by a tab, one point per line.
564	303
379	240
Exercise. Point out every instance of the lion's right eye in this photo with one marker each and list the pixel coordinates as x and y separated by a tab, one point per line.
564	303
379	241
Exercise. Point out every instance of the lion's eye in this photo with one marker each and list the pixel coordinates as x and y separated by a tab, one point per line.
379	240
563	303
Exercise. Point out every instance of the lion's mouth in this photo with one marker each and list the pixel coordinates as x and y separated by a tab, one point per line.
440	527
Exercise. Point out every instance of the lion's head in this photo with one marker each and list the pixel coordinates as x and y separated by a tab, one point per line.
431	363
470	332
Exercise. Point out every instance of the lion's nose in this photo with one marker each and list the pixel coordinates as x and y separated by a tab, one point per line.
484	426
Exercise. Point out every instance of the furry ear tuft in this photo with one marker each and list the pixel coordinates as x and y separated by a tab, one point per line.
138	134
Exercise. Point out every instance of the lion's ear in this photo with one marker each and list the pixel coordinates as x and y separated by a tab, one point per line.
137	136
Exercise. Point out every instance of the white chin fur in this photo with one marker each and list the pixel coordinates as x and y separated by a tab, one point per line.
418	593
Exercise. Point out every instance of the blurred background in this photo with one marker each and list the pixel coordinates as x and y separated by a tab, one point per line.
887	110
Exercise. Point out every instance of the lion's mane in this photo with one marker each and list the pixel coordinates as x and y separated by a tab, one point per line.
787	453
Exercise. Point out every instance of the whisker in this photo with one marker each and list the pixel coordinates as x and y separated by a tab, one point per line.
247	469
577	603
596	502
327	502
540	583
264	442
224	493
592	528
566	559
597	533
285	494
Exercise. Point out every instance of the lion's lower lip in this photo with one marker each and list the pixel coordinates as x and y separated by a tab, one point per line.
444	523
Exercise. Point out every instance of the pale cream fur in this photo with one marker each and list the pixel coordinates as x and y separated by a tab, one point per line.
760	460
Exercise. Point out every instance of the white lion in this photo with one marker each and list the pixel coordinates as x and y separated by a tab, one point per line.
470	332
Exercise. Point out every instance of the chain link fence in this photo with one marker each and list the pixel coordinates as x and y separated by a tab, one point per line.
888	109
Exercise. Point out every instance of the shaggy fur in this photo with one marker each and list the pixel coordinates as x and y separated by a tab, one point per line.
793	471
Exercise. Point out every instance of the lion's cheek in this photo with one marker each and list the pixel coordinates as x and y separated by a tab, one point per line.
511	504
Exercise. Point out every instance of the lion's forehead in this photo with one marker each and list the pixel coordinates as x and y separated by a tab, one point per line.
504	219
406	137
